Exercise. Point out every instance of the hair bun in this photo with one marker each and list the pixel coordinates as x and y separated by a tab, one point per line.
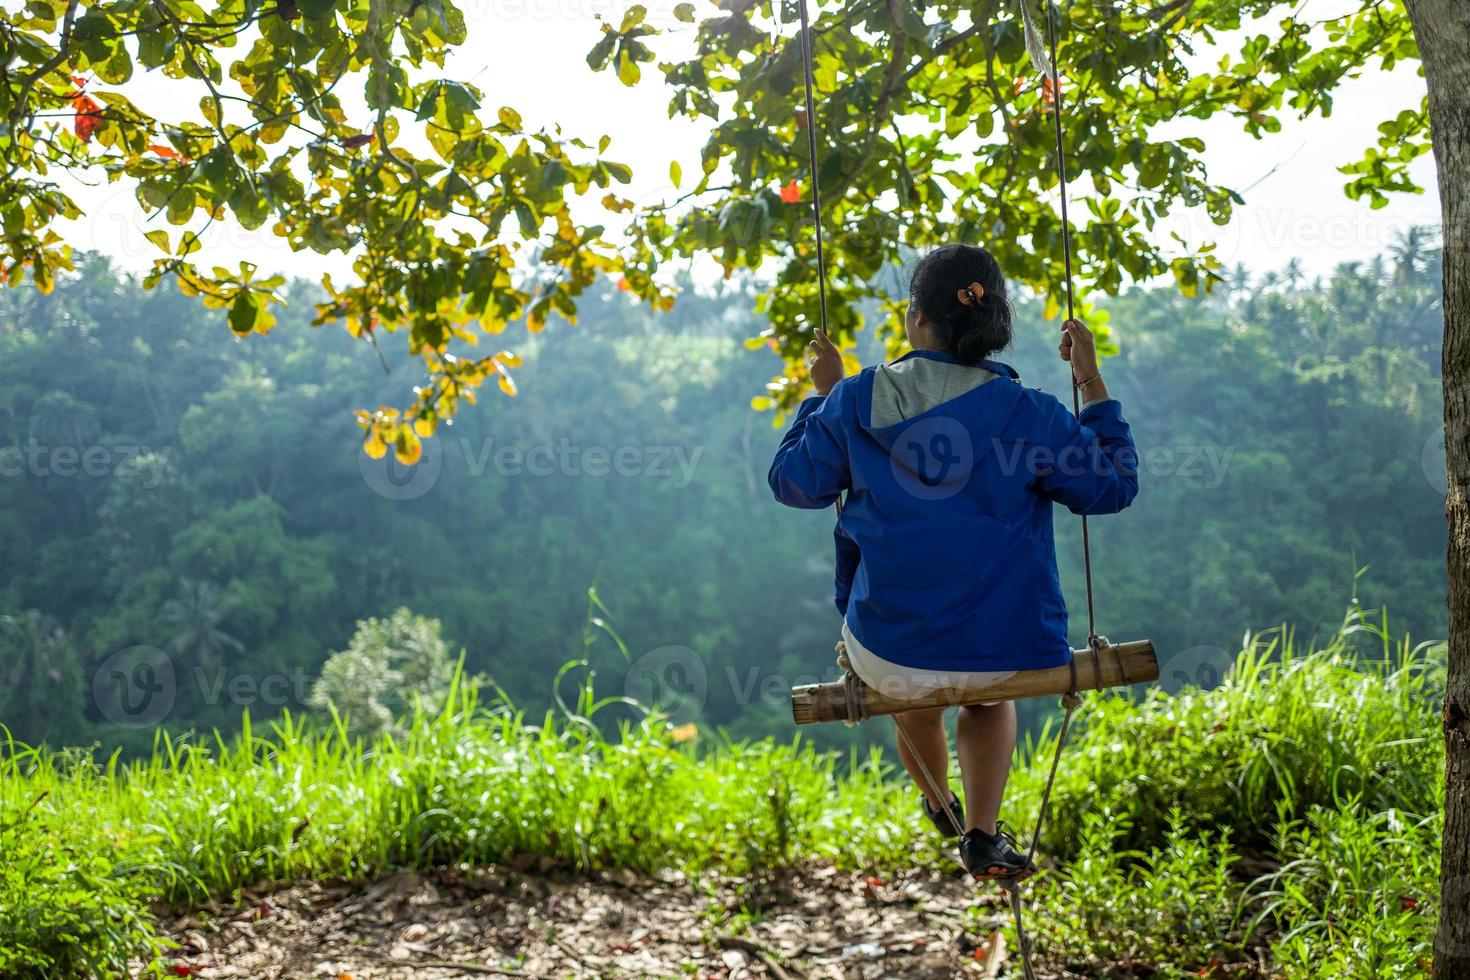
962	293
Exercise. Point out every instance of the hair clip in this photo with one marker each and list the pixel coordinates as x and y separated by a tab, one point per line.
971	294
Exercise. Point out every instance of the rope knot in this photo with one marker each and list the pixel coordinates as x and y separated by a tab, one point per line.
842	661
857	705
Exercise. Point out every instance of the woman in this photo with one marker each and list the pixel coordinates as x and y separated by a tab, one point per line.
947	572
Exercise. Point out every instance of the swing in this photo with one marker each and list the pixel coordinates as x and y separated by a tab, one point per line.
1103	664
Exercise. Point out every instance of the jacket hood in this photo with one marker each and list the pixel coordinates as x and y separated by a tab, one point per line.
949	414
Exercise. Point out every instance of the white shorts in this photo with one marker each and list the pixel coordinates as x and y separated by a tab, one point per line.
908	683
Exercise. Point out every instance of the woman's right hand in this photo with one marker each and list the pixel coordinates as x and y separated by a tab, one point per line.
825	363
1078	347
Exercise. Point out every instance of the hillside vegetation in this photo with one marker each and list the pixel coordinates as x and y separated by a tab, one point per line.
165	487
1292	814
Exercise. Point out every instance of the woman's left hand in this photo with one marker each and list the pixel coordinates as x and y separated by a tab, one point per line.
825	363
1077	346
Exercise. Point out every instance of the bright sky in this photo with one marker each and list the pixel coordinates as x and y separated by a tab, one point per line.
530	54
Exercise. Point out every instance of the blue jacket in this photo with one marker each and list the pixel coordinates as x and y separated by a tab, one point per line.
946	559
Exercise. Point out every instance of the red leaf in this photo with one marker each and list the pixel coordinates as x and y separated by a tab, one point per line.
1048	91
791	193
167	152
624	285
88	117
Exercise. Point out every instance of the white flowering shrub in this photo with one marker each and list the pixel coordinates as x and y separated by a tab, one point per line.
389	666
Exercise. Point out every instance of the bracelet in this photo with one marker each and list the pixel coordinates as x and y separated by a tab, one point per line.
1079	385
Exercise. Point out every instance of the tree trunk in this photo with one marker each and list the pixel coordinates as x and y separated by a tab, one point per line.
1442	28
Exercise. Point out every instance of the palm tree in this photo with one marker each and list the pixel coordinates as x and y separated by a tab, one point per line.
1410	251
196	617
1237	279
36	659
1294	273
34	640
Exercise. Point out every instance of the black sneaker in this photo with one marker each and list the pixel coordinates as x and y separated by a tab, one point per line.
994	858
948	826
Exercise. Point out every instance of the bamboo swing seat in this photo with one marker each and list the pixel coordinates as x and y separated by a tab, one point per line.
1111	665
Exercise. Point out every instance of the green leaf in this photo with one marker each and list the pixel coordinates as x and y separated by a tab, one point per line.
628	72
316	9
908	19
633	18
245	312
601	51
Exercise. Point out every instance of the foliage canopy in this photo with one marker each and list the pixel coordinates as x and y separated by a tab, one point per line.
332	121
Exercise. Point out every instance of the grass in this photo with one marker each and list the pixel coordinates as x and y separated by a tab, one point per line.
1293	811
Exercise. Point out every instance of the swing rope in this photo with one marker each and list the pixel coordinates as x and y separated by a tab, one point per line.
1071	701
1056	89
811	146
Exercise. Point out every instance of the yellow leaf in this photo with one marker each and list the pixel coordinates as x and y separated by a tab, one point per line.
1052	308
374	446
507	385
407	448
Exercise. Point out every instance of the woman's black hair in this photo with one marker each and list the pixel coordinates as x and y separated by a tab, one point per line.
969	333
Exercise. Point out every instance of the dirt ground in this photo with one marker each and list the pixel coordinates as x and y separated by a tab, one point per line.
533	921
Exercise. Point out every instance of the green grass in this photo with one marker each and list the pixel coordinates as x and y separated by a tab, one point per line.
1293	809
